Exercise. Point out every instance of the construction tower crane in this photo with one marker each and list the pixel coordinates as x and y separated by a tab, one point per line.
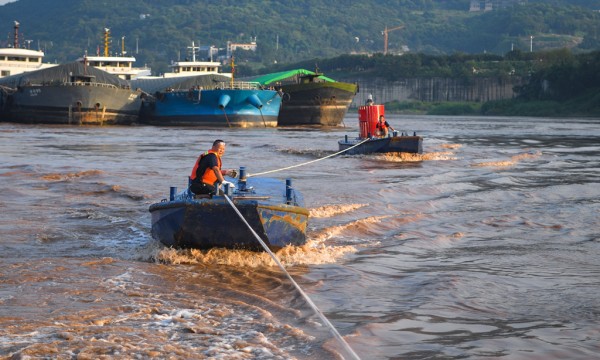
385	37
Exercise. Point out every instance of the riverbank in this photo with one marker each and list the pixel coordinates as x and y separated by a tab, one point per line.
587	105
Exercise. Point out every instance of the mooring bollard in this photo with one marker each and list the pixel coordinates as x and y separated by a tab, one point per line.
242	179
288	191
172	192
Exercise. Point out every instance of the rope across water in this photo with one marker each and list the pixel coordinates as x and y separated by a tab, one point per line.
333	330
309	162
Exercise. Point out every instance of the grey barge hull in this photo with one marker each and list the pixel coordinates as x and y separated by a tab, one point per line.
71	104
324	103
69	94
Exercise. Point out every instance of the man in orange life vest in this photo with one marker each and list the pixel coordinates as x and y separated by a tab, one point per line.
207	173
381	129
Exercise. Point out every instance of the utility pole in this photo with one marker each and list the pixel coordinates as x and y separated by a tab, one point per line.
531	43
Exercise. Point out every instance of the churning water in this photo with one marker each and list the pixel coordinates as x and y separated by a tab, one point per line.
485	246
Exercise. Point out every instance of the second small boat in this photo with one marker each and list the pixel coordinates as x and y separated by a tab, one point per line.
368	142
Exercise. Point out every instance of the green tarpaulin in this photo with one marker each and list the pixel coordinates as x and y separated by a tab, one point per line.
269	79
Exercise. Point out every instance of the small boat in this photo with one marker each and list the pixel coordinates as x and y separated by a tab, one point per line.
272	208
17	60
310	98
366	143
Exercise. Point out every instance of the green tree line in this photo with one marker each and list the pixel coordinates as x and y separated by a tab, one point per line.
557	82
156	32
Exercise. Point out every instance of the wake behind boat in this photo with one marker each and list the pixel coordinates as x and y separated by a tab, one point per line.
272	208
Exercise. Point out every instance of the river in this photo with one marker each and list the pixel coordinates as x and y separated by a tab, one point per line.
485	246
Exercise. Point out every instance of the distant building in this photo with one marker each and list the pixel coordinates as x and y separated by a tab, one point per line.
231	47
489	5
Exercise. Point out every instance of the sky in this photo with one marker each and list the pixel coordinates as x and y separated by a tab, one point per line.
2	2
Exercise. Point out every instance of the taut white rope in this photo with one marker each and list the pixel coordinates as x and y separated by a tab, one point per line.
308	162
308	300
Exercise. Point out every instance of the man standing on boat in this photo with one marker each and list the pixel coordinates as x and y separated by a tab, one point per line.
381	129
207	173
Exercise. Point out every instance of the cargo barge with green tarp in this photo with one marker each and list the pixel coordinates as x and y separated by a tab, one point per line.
309	98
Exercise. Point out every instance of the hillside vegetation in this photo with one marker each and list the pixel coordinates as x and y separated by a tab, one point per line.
289	32
558	82
554	44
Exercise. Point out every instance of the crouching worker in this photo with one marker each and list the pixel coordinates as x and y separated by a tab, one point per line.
381	129
207	174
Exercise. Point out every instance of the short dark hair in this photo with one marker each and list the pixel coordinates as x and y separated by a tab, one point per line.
217	142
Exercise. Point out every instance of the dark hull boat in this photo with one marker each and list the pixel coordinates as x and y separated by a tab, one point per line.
310	98
409	144
366	143
272	209
69	94
4	92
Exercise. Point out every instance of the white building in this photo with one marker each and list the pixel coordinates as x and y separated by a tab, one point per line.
231	46
489	5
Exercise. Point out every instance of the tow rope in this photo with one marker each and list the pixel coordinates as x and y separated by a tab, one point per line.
333	330
314	307
308	162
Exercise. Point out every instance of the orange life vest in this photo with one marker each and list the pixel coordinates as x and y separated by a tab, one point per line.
209	176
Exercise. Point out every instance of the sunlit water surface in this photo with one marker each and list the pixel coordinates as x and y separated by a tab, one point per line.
485	246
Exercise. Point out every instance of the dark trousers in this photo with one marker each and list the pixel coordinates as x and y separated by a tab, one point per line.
202	188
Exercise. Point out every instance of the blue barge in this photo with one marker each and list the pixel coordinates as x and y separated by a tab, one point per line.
221	104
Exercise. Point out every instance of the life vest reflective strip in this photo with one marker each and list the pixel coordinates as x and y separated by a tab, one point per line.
209	176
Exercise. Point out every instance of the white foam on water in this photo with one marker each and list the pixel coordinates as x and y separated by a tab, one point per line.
509	162
313	252
326	211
